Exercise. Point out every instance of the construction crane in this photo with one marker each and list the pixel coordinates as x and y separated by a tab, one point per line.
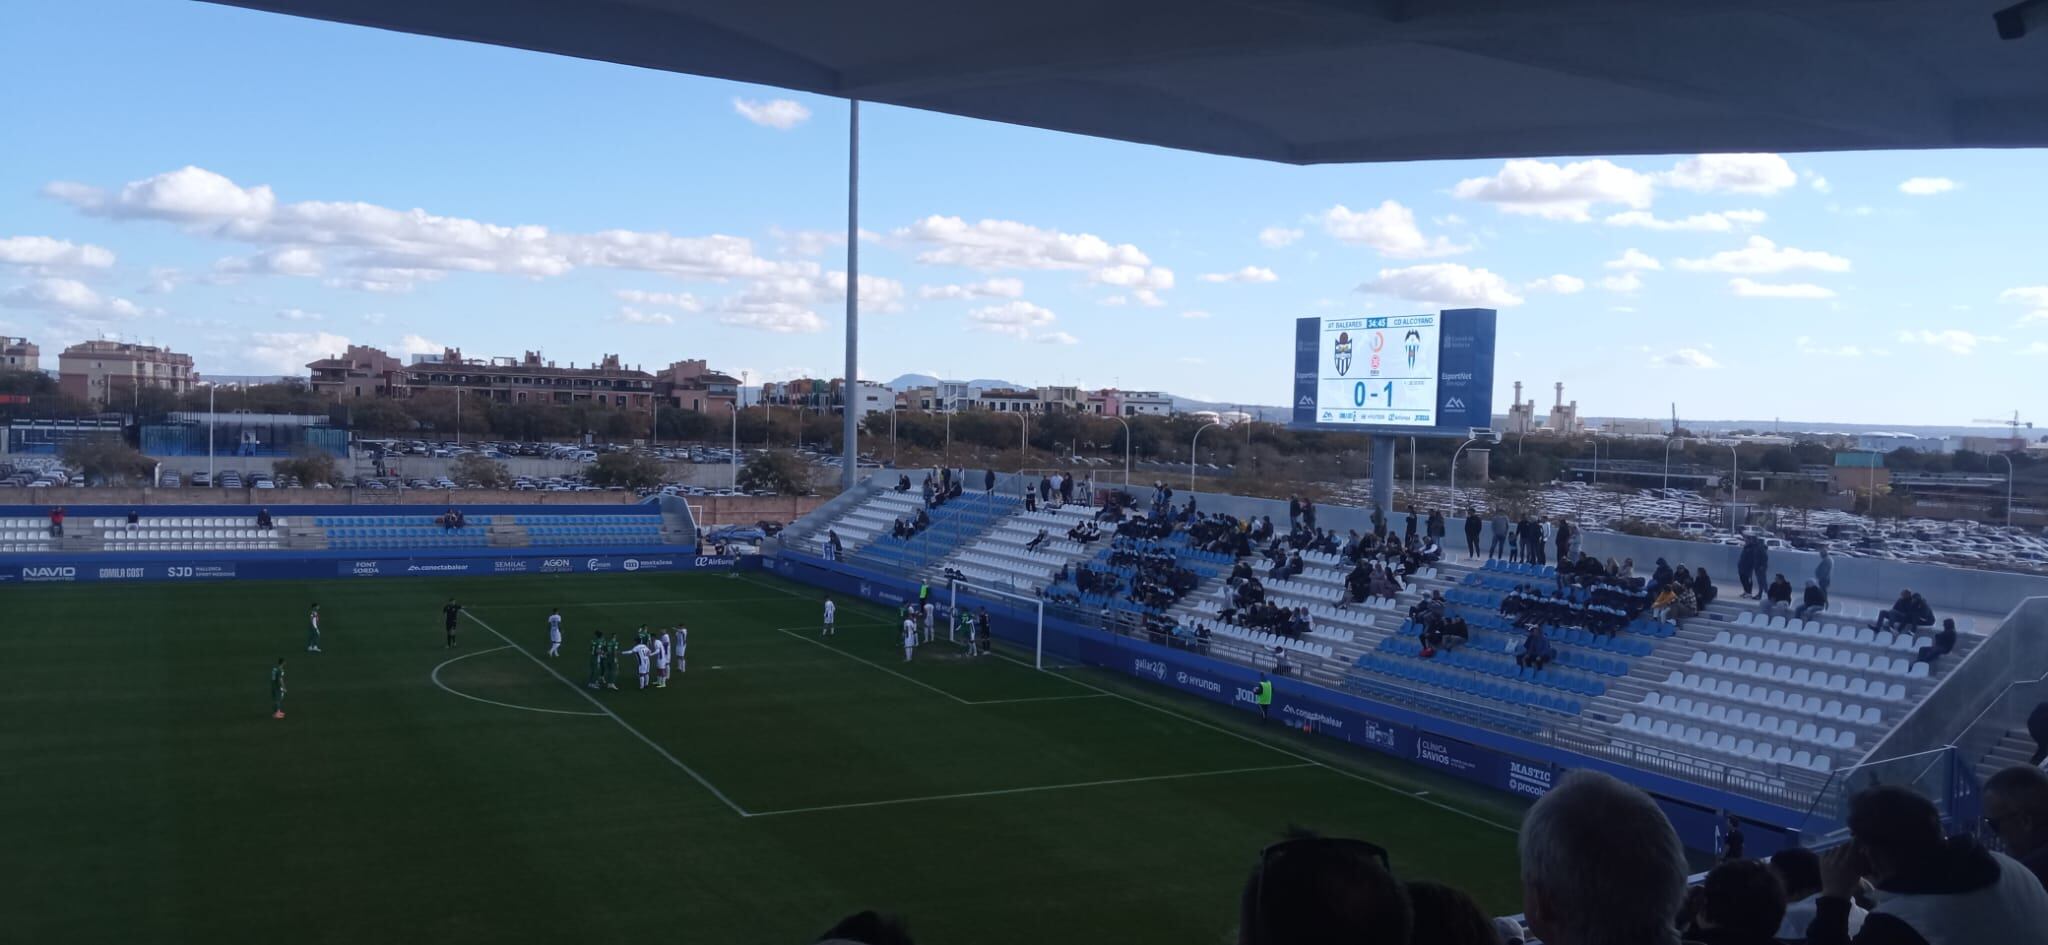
2014	422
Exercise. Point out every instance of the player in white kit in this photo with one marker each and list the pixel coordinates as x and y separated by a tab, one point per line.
830	610
646	660
909	637
682	643
930	613
661	652
555	632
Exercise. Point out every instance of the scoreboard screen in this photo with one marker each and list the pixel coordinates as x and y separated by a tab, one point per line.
1379	371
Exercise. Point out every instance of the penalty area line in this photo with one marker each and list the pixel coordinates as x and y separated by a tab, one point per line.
925	685
436	677
1028	790
606	710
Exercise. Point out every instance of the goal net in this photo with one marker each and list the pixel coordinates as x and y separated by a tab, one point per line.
1016	621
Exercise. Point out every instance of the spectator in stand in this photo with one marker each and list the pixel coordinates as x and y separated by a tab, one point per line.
1473	526
1600	866
1930	889
1044	490
1436	528
263	519
1030	499
2037	728
1661	577
1563	536
1944	643
1446	916
1033	544
1308	890
57	522
2016	811
832	541
1293	511
1413	526
1536	650
1379	523
1703	589
135	518
461	519
1778	597
1798	869
1497	532
1824	570
1812	601
1762	563
1909	612
1745	567
988	482
1741	903
902	482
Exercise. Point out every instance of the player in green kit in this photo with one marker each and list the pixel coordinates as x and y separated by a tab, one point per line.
313	630
277	689
596	659
611	662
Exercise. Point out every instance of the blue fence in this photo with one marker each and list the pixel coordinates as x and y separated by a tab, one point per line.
183	566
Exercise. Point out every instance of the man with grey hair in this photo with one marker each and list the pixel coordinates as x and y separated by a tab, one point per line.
1600	866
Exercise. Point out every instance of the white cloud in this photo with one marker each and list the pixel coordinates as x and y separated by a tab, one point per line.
288	352
1194	313
2036	349
373	318
1952	340
780	114
1731	174
628	315
1688	358
1760	256
70	297
1926	186
283	261
2034	297
163	280
1007	244
1633	258
1719	222
1389	228
1193	360
1752	289
47	253
1133	276
1278	237
1144	297
1817	182
997	288
1559	192
1056	338
1018	318
1447	284
1625	283
299	315
1247	274
1560	284
1805	345
394	250
769	315
414	344
681	300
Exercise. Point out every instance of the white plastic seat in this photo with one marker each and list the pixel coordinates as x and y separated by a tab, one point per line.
1917	671
1692	681
1895	692
1802	759
1749	667
1717	713
1723	687
1859	661
1781	755
1807	732
1823	763
1723	639
1781	673
1752	720
1800	677
1832	710
1778	622
1864	635
1742	692
1745	746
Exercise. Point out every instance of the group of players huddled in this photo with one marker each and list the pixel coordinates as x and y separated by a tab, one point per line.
654	653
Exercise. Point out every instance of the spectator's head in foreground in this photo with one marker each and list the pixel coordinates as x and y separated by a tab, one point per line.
867	928
1798	869
2016	809
1893	828
1600	865
1446	916
1743	897
1312	890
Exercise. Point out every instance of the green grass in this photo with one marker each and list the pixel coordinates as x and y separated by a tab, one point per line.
149	796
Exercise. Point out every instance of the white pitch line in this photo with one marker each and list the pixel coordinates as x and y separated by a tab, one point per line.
502	605
601	707
1272	747
921	683
436	677
1028	790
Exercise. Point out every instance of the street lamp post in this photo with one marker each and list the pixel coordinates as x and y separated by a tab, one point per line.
212	417
2008	487
1734	482
800	428
1191	451
1127	449
1668	444
1414	480
1454	465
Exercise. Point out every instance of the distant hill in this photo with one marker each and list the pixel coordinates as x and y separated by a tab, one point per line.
908	381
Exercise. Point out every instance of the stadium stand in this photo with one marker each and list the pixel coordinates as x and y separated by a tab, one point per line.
348	529
23	534
1765	702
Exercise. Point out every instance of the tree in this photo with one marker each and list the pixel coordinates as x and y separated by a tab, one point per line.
778	471
380	416
1779	459
628	470
104	460
482	470
310	466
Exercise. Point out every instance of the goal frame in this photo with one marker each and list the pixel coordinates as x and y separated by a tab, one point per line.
1034	602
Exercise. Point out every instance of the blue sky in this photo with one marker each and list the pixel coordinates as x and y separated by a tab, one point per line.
261	190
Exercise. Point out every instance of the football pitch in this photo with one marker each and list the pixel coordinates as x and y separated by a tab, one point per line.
482	794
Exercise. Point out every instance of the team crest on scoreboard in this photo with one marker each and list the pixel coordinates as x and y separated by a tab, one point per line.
1342	351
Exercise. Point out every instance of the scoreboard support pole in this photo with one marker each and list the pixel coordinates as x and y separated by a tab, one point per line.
1383	473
